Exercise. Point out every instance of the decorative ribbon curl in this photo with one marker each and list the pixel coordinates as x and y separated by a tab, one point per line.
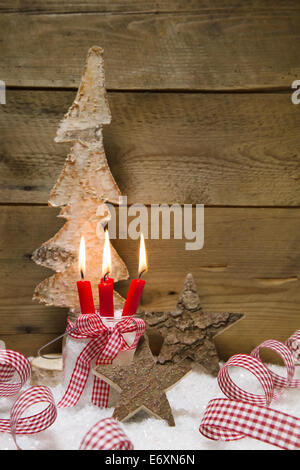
293	343
106	434
106	343
247	414
13	364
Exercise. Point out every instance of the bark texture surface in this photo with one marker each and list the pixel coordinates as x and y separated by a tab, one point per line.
82	190
187	332
142	384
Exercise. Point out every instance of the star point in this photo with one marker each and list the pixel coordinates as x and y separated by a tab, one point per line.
143	384
188	331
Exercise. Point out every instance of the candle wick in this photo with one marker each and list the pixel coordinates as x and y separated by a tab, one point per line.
141	273
81	274
105	276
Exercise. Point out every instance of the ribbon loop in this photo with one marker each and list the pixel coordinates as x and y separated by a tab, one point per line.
107	434
246	414
293	343
38	422
90	325
232	391
283	351
13	363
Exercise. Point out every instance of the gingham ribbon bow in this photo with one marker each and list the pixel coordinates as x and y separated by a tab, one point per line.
105	344
107	434
247	414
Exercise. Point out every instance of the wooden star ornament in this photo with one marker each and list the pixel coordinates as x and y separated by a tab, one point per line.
187	332
143	384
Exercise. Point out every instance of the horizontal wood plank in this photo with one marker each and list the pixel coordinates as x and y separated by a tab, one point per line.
102	6
139	6
235	45
29	344
250	264
215	149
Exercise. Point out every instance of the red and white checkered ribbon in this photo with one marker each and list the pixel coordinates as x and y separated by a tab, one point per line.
106	434
104	345
293	343
15	366
247	414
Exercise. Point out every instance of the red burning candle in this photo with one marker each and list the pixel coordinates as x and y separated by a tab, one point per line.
106	286
84	287
137	285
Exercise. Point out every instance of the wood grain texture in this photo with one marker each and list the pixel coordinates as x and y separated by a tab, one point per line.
234	45
142	384
103	6
216	149
250	243
187	331
29	344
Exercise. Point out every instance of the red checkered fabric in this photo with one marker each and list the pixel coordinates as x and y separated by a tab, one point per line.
230	420
107	434
104	345
284	352
293	343
247	414
37	422
15	366
232	391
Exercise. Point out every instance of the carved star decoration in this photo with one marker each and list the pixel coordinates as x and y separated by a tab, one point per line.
187	332
142	384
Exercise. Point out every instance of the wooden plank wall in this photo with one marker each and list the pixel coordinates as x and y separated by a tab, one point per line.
200	93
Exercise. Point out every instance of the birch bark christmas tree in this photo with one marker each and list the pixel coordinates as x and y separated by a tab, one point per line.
82	190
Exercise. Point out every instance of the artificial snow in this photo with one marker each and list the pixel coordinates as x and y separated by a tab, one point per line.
188	400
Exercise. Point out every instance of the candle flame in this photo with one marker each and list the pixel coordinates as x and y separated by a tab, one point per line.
81	263
143	264
106	262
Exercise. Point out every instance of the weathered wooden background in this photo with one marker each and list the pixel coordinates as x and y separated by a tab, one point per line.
200	93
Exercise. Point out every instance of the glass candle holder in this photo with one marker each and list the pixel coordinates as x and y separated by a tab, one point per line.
72	347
